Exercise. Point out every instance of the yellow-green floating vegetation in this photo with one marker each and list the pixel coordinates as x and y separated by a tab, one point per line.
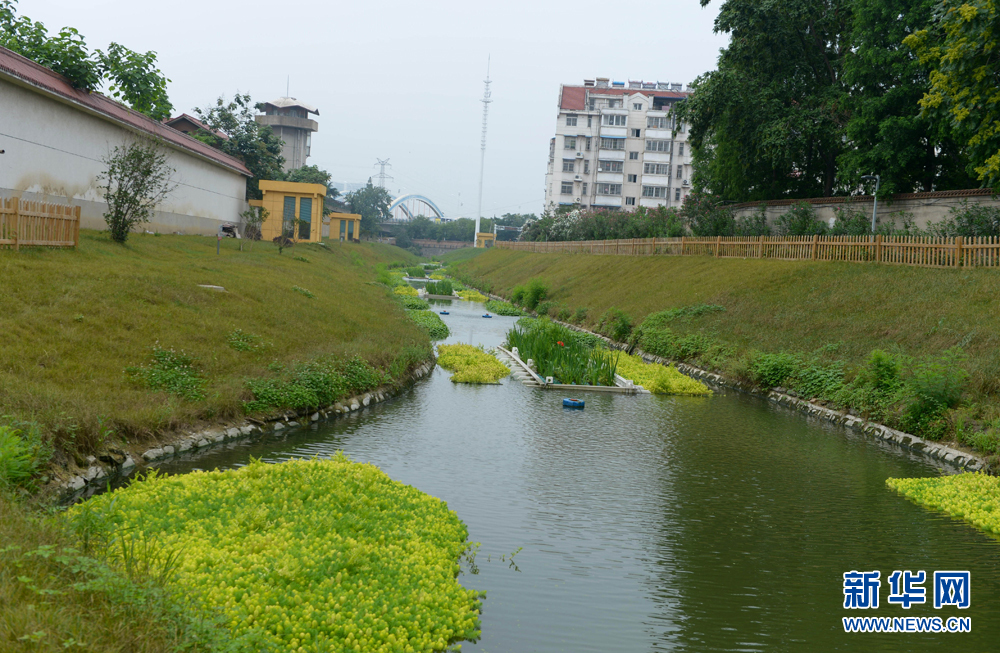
472	295
471	364
972	497
659	379
406	291
307	555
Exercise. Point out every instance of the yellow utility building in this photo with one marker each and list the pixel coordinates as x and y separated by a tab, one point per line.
344	226
295	210
485	239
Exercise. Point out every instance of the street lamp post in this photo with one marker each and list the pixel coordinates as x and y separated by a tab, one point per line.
878	180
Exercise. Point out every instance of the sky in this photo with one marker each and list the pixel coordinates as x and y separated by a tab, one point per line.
404	80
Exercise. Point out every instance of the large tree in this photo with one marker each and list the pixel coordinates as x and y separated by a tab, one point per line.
768	122
129	76
886	133
316	175
254	144
962	46
372	204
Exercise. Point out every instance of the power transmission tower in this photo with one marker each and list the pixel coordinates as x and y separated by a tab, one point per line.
381	175
482	159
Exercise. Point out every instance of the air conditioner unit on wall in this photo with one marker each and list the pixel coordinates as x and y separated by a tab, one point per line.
686	183
578	178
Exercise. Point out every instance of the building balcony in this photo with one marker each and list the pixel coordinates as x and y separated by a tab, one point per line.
658	157
288	121
614	132
611	155
660	134
610	177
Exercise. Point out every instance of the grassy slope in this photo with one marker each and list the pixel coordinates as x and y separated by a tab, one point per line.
780	305
75	319
459	255
52	610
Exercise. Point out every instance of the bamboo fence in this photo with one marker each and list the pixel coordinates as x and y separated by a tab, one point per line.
922	251
24	223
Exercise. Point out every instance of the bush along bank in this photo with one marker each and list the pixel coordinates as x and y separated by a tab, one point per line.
812	383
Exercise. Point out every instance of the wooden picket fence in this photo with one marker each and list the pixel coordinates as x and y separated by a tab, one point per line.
24	223
922	251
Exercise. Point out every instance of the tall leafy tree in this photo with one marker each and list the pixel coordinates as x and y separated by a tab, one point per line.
316	175
254	144
886	133
962	46
768	122
130	76
372	204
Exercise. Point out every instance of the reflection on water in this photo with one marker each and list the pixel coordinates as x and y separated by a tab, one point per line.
653	523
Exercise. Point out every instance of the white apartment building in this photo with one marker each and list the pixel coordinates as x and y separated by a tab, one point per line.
615	146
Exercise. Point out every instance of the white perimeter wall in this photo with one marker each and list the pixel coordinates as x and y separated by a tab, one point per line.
54	151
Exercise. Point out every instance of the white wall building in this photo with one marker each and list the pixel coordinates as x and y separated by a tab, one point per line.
615	146
54	137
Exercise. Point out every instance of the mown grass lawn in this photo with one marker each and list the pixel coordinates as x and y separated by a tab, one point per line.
74	320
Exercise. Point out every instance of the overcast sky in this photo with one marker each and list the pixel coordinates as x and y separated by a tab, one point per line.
403	80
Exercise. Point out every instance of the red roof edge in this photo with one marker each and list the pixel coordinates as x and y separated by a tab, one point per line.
27	72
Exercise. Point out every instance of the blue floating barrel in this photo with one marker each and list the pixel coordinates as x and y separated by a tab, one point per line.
573	403
487	315
444	312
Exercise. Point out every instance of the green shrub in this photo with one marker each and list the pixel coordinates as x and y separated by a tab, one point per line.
503	308
534	293
415	273
564	314
579	315
771	370
313	385
517	294
171	372
17	462
439	287
615	324
543	308
431	323
303	291
241	340
800	220
415	303
937	384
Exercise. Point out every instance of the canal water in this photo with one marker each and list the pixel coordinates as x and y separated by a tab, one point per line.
647	523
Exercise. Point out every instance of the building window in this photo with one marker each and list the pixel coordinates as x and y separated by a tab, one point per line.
585	189
589	119
609	189
569	142
629	201
569	165
633	178
656	122
633	156
588	143
654	191
288	217
680	171
571	120
637	106
610	166
612	143
613	121
680	127
636	133
614	104
677	194
680	147
586	167
656	169
305	217
567	188
657	146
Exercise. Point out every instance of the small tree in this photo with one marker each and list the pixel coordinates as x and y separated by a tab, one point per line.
135	180
252	218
